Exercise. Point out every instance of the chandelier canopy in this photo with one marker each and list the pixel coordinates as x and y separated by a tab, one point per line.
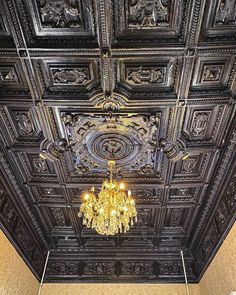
112	211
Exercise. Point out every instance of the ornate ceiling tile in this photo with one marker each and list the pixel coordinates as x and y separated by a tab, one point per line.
35	167
148	74
145	21
60	76
205	125
219	21
45	22
12	76
211	72
197	168
129	140
190	195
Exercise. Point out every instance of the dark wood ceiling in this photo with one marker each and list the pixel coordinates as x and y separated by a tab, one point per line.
167	69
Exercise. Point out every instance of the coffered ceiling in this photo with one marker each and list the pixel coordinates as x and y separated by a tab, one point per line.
113	77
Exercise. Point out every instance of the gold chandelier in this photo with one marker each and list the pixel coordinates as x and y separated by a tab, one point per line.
112	211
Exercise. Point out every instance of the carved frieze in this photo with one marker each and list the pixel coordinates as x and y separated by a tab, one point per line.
210	239
60	13
9	214
24	238
221	214
99	268
136	268
62	268
171	268
230	194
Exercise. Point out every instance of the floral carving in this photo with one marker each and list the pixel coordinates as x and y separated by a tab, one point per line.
60	13
24	123
146	76
147	13
76	76
226	13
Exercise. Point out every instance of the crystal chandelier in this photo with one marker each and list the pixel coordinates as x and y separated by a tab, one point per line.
112	211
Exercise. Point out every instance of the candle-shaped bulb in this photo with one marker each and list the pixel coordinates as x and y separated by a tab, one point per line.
122	186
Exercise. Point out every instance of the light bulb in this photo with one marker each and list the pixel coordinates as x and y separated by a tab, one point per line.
101	210
132	201
129	193
122	186
86	197
125	209
113	212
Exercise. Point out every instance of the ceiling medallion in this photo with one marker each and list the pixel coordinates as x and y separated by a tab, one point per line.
112	211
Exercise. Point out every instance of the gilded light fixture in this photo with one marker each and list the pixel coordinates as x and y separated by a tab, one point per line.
112	211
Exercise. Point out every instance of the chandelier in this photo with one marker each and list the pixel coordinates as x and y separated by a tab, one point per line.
112	211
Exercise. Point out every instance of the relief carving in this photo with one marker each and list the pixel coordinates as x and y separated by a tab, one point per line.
24	239
144	76
1	197
221	214
137	268
60	13
24	123
189	165
171	268
200	123
8	75
212	73
39	165
209	240
231	193
226	13
100	268
9	214
147	13
130	141
58	216
74	76
176	217
62	268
